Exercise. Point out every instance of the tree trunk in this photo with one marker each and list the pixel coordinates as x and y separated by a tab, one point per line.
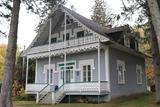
155	18
155	39
9	67
156	63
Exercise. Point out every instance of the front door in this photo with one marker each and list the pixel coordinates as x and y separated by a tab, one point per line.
69	72
68	79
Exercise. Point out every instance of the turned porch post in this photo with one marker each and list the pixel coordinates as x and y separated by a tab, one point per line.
49	48
99	65
27	72
65	49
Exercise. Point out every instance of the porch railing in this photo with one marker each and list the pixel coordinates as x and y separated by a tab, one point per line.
70	87
69	43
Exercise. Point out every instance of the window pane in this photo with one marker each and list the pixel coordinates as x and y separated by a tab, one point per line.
80	34
139	76
84	73
71	73
47	76
53	40
120	74
89	73
51	75
67	36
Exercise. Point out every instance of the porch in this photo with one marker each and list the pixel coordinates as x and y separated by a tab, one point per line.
75	88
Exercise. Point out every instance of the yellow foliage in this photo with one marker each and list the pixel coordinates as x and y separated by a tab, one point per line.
149	72
3	48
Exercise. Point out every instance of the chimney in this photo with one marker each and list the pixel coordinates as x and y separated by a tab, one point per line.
108	26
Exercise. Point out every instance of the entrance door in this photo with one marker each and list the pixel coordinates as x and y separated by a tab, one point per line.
68	79
69	72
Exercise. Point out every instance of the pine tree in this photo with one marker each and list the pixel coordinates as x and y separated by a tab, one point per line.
101	12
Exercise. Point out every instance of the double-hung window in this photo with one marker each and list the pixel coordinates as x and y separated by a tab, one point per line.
121	71
139	74
86	73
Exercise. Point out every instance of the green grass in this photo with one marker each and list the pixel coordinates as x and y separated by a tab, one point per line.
133	101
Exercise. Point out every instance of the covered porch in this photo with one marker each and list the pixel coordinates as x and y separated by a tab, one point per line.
80	88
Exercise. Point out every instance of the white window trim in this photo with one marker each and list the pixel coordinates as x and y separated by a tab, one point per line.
139	67
44	71
122	63
86	62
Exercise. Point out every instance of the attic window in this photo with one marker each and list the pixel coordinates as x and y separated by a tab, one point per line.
126	41
53	40
68	21
67	36
80	34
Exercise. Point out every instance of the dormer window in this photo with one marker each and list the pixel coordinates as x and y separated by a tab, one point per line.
126	41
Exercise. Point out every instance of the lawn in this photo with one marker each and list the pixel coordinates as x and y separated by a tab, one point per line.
134	101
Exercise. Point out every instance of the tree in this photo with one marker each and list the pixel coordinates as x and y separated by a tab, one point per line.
155	21
101	12
144	15
13	17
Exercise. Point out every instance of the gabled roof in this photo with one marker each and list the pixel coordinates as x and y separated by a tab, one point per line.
85	21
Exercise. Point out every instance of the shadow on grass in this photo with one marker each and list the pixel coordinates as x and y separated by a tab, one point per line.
143	100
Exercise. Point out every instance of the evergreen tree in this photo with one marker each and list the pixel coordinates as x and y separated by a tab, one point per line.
101	12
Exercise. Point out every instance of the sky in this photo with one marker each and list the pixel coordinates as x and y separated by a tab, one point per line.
29	21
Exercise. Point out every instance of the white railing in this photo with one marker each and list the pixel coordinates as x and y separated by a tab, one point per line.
34	88
79	87
82	87
86	87
59	94
69	43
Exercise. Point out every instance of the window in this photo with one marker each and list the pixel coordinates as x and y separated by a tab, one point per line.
126	41
86	73
53	40
67	36
49	79
139	74
80	34
121	71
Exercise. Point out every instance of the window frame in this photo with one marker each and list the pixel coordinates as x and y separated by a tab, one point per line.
122	64
127	41
139	77
86	63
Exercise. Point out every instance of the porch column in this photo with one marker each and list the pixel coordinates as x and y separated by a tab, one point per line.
65	48
36	69
27	72
49	48
99	65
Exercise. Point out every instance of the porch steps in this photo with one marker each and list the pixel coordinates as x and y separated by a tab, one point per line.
59	98
46	99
